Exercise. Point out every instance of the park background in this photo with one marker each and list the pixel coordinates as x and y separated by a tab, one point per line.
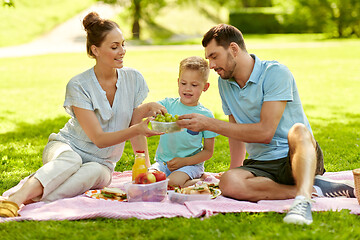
316	39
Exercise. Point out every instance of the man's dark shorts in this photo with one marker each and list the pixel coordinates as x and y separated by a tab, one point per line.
280	170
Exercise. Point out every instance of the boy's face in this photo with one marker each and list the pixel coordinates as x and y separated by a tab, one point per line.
191	85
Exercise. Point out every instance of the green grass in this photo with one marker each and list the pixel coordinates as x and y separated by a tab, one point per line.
341	226
327	75
30	19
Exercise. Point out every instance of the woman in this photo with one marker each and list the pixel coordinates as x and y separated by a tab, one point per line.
104	104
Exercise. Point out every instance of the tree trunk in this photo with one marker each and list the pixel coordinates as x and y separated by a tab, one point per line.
136	19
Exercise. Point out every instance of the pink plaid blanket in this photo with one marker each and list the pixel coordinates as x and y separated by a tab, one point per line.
83	207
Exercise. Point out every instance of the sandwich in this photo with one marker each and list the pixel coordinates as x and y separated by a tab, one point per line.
113	193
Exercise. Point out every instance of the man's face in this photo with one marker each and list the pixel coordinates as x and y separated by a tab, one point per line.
220	59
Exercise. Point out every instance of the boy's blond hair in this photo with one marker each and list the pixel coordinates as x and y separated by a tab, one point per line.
195	63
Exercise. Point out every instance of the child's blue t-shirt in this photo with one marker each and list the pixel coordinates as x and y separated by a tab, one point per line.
181	144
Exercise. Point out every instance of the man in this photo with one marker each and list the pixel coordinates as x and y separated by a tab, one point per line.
266	120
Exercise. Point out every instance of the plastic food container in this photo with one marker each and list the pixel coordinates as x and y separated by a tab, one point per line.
181	198
166	127
153	192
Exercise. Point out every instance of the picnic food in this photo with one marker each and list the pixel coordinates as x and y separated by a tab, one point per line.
150	177
199	188
8	209
113	193
145	178
159	175
171	187
139	164
165	123
154	192
195	189
198	192
167	117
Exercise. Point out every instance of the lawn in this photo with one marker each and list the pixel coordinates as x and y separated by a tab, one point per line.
30	19
327	75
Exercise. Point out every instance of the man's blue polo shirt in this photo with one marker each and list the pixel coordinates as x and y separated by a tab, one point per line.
269	81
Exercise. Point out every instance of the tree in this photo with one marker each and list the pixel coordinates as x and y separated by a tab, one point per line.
8	3
140	10
346	16
341	18
145	10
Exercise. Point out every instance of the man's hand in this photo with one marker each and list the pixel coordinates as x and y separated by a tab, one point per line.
194	122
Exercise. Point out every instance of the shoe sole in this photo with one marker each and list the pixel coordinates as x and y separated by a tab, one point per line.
296	219
348	183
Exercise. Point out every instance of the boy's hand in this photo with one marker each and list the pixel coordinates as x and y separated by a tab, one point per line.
145	110
218	176
194	122
175	163
155	109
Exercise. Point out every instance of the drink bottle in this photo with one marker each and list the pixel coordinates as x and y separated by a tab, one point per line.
139	164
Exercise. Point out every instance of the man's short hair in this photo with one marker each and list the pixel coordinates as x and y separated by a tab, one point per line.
224	35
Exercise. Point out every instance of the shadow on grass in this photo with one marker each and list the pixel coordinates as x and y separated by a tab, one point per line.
21	149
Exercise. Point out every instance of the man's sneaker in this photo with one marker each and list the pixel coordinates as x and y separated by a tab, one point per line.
300	212
334	188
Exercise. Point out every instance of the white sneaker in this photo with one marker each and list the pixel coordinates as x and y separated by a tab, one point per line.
300	212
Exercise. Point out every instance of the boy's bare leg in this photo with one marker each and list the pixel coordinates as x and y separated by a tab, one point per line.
181	179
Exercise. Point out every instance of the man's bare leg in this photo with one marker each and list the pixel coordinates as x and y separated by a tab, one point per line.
243	185
302	147
303	161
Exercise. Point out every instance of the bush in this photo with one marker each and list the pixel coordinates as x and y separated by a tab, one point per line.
273	20
255	22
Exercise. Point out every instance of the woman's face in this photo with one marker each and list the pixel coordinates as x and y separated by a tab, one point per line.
112	50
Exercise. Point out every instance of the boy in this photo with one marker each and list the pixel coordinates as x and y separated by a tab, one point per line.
181	155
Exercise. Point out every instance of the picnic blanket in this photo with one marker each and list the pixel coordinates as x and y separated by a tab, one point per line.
84	207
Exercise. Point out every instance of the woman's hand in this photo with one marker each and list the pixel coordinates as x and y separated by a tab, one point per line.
142	128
